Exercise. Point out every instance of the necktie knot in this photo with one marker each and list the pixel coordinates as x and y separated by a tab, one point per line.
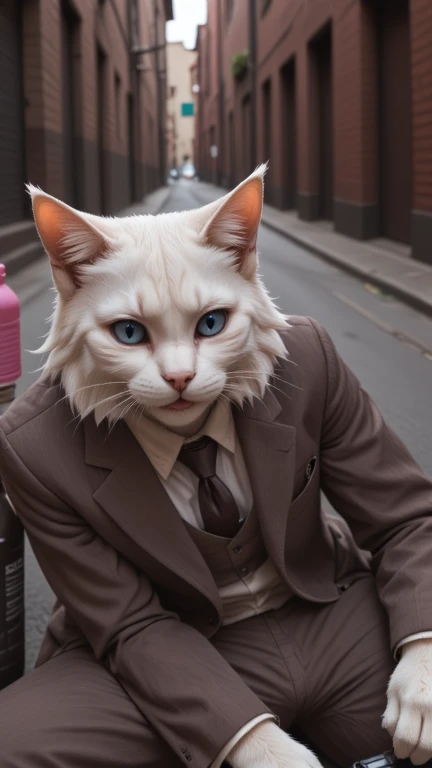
200	457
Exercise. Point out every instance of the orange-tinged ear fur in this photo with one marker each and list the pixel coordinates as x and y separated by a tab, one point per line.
235	224
68	238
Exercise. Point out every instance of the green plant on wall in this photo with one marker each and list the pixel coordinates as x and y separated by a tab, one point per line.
239	64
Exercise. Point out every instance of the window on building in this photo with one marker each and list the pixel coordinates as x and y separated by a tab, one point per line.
229	10
118	105
265	5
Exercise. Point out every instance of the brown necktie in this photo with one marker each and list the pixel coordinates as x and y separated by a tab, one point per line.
218	508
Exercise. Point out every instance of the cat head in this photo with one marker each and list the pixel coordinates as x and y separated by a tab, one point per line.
159	315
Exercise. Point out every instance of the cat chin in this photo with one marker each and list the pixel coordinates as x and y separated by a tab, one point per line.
189	417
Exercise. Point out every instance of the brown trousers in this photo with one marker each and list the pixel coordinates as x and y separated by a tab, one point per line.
325	668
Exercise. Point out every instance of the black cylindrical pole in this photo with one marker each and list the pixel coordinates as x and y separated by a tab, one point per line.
11	529
12	646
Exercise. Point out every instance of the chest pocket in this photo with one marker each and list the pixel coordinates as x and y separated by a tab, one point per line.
306	485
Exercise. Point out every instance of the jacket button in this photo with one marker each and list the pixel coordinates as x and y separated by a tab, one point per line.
342	587
237	550
244	570
212	621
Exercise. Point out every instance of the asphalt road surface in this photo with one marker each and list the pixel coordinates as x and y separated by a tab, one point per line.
388	345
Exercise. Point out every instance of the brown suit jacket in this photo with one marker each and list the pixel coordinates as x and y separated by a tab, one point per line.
131	582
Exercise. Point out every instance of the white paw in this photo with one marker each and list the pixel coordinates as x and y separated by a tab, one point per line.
267	746
408	717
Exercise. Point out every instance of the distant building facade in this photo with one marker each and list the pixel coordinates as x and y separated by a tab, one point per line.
82	111
181	63
338	96
195	93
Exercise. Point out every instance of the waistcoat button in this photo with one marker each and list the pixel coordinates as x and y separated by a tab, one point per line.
211	621
237	550
245	570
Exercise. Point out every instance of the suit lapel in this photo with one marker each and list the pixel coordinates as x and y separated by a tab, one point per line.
269	451
133	496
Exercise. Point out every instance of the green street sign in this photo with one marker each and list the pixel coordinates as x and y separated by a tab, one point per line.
187	109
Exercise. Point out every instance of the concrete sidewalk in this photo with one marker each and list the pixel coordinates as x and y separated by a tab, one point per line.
381	262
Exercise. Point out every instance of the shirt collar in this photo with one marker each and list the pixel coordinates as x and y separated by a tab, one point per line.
162	447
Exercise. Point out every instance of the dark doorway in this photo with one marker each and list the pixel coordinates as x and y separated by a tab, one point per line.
131	148
101	99
70	169
12	193
395	119
267	142
289	135
231	135
321	50
246	137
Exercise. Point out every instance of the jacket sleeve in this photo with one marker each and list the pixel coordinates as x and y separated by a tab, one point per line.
173	674
372	480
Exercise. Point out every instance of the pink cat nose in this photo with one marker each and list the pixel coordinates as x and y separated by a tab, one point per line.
180	379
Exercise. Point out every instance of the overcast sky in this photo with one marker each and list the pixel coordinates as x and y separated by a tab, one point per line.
187	14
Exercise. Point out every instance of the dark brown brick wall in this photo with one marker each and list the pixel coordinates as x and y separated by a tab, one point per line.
64	135
11	120
287	31
421	52
421	46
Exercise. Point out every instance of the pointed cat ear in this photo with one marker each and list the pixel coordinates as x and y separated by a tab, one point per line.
69	239
234	225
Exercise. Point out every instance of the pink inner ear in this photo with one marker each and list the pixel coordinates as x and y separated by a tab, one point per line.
47	215
236	223
67	237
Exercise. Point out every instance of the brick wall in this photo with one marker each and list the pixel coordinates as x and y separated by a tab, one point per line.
421	45
355	84
150	138
91	122
350	165
12	203
235	37
210	79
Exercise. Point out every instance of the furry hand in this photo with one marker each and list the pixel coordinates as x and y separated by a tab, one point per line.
267	746
408	717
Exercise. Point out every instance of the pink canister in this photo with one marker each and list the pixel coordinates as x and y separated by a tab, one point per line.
10	341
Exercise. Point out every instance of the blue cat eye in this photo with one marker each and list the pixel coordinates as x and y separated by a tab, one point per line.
129	332
212	323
